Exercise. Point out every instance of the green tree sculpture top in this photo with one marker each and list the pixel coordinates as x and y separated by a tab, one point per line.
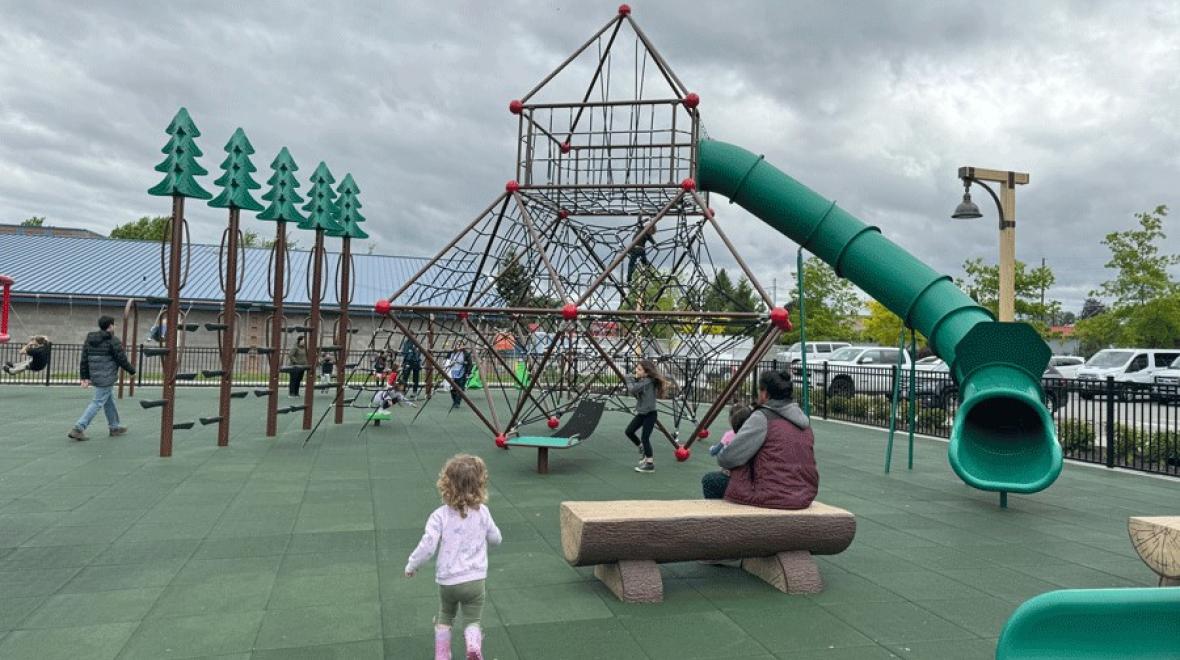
282	196
180	165
236	181
320	206
349	217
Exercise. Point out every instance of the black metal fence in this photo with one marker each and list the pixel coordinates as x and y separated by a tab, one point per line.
1117	424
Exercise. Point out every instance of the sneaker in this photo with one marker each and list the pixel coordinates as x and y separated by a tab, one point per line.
77	434
645	467
118	430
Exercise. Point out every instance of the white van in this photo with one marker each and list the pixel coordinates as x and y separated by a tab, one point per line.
817	351
1126	365
1167	384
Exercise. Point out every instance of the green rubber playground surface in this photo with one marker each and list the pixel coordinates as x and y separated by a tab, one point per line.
270	549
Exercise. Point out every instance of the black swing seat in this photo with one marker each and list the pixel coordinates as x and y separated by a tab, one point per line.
261	393
242	350
154	352
152	403
264	351
206	421
212	373
183	426
186	375
240	394
216	326
578	427
190	327
290	409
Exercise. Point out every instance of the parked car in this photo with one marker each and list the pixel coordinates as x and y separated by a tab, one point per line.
817	351
863	370
1125	365
934	386
1166	386
1067	365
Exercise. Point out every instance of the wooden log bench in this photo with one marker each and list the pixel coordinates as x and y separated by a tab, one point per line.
625	540
1157	540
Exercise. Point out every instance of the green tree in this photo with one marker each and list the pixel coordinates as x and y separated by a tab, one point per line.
1145	310
282	196
35	221
719	295
513	284
982	283
745	299
832	304
251	239
1141	271
321	207
235	181
349	210
882	326
147	228
180	162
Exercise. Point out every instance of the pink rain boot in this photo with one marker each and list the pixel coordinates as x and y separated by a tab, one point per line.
474	637
442	643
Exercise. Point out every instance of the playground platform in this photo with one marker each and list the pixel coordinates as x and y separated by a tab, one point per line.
273	549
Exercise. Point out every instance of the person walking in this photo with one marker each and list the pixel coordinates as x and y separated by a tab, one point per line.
460	531
297	361
647	385
411	365
459	366
102	357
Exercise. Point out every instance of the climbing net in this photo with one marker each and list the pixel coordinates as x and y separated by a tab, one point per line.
599	253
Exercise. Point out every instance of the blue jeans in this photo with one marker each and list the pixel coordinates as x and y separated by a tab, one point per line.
102	399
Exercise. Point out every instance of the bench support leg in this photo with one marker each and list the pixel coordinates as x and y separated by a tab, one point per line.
1169	582
542	460
633	581
792	572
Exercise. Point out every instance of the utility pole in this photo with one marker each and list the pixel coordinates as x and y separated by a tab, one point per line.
1045	312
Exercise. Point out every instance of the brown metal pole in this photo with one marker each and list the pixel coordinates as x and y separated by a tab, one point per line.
536	241
462	393
343	297
134	345
229	317
429	349
571	58
313	339
712	220
276	328
168	413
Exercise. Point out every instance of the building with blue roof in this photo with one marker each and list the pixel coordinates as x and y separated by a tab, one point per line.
63	283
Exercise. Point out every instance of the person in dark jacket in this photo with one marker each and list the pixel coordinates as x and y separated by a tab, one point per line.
647	385
35	356
771	460
297	360
411	365
102	357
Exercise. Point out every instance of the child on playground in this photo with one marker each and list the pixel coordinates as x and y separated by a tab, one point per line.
393	395
461	530
647	385
35	356
738	414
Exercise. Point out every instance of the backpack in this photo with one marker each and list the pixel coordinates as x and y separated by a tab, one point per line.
156	333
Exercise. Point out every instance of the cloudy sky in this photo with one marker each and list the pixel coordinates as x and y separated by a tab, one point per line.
872	104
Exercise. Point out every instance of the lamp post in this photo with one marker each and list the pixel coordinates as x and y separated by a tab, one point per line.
1006	206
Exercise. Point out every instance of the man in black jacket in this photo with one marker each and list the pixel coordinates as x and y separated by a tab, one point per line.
102	356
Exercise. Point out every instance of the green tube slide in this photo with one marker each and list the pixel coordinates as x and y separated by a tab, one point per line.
1075	624
1003	437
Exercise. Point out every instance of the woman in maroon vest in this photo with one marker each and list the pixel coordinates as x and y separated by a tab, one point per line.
771	461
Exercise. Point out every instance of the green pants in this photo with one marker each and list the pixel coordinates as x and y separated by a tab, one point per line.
468	594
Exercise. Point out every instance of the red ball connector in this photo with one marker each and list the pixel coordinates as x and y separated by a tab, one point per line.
382	307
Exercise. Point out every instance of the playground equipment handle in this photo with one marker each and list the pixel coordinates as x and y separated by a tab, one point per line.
1003	438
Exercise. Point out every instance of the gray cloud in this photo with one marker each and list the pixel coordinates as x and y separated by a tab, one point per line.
872	104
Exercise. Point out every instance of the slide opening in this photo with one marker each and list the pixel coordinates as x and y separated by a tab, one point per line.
1005	442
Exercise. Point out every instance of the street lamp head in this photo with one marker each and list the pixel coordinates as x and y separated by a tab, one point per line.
966	208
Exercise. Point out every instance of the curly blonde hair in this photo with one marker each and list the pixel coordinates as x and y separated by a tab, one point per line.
463	483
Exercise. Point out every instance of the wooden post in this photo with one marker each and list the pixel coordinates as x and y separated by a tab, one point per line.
313	338
276	328
176	239
229	317
343	297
